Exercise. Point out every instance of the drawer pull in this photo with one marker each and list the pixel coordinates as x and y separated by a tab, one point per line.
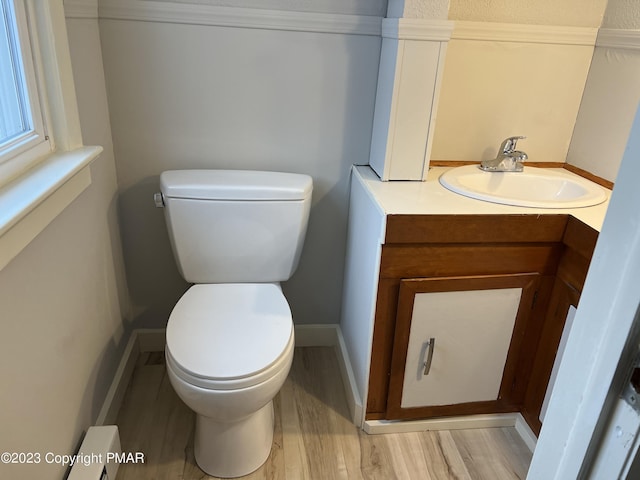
431	345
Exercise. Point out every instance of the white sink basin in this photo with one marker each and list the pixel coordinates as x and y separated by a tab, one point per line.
534	187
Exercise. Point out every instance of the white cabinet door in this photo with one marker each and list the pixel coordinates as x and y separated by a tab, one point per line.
453	338
471	332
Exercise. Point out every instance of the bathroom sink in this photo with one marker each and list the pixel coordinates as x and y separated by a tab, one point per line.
534	187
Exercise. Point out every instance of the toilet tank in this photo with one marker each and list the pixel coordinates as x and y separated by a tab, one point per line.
236	226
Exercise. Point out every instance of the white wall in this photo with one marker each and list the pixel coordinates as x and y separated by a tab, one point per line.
608	106
514	67
611	94
204	96
575	103
63	299
494	88
423	9
576	13
623	14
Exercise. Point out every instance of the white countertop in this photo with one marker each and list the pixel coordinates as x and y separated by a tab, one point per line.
431	198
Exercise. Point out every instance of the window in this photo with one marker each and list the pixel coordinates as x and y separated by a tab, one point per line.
16	119
22	129
43	163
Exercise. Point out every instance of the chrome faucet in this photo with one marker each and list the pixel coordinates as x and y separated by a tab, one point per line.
508	160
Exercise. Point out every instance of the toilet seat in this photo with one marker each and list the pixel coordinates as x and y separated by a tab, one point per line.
229	336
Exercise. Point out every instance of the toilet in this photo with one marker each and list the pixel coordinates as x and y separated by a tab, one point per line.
235	235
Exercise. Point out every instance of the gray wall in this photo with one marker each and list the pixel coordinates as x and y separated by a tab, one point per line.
194	96
63	299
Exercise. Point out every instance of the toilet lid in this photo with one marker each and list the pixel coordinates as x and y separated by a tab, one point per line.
229	331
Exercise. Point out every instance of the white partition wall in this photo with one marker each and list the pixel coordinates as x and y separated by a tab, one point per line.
502	80
411	64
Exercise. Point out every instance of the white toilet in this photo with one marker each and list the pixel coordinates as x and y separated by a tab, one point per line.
235	235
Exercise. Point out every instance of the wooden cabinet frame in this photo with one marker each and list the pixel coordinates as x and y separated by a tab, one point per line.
557	248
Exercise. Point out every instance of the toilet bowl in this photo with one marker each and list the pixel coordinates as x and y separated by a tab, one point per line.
228	372
235	235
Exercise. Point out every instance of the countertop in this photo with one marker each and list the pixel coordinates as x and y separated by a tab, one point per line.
431	198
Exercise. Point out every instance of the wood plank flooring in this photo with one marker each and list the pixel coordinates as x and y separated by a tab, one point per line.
313	437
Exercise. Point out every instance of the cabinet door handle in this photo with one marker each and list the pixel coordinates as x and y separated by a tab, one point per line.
431	346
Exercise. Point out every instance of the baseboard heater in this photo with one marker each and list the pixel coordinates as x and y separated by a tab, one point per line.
97	458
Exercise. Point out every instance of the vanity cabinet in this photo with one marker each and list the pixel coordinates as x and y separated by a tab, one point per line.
579	241
491	292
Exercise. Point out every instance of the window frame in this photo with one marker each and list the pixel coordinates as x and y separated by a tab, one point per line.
38	187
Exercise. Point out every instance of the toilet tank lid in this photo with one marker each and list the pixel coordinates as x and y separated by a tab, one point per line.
235	185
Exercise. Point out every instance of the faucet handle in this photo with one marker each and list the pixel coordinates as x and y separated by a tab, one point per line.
509	144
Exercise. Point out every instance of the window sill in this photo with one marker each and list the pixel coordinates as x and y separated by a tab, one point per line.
29	203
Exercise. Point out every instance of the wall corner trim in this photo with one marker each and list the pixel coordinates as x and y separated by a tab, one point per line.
521	33
200	14
81	9
417	29
618	38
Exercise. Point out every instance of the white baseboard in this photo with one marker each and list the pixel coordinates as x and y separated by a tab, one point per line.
525	432
447	423
141	340
349	380
515	420
115	394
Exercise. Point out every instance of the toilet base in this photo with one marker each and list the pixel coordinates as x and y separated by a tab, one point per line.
234	449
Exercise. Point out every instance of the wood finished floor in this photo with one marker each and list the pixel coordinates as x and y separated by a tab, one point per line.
313	437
